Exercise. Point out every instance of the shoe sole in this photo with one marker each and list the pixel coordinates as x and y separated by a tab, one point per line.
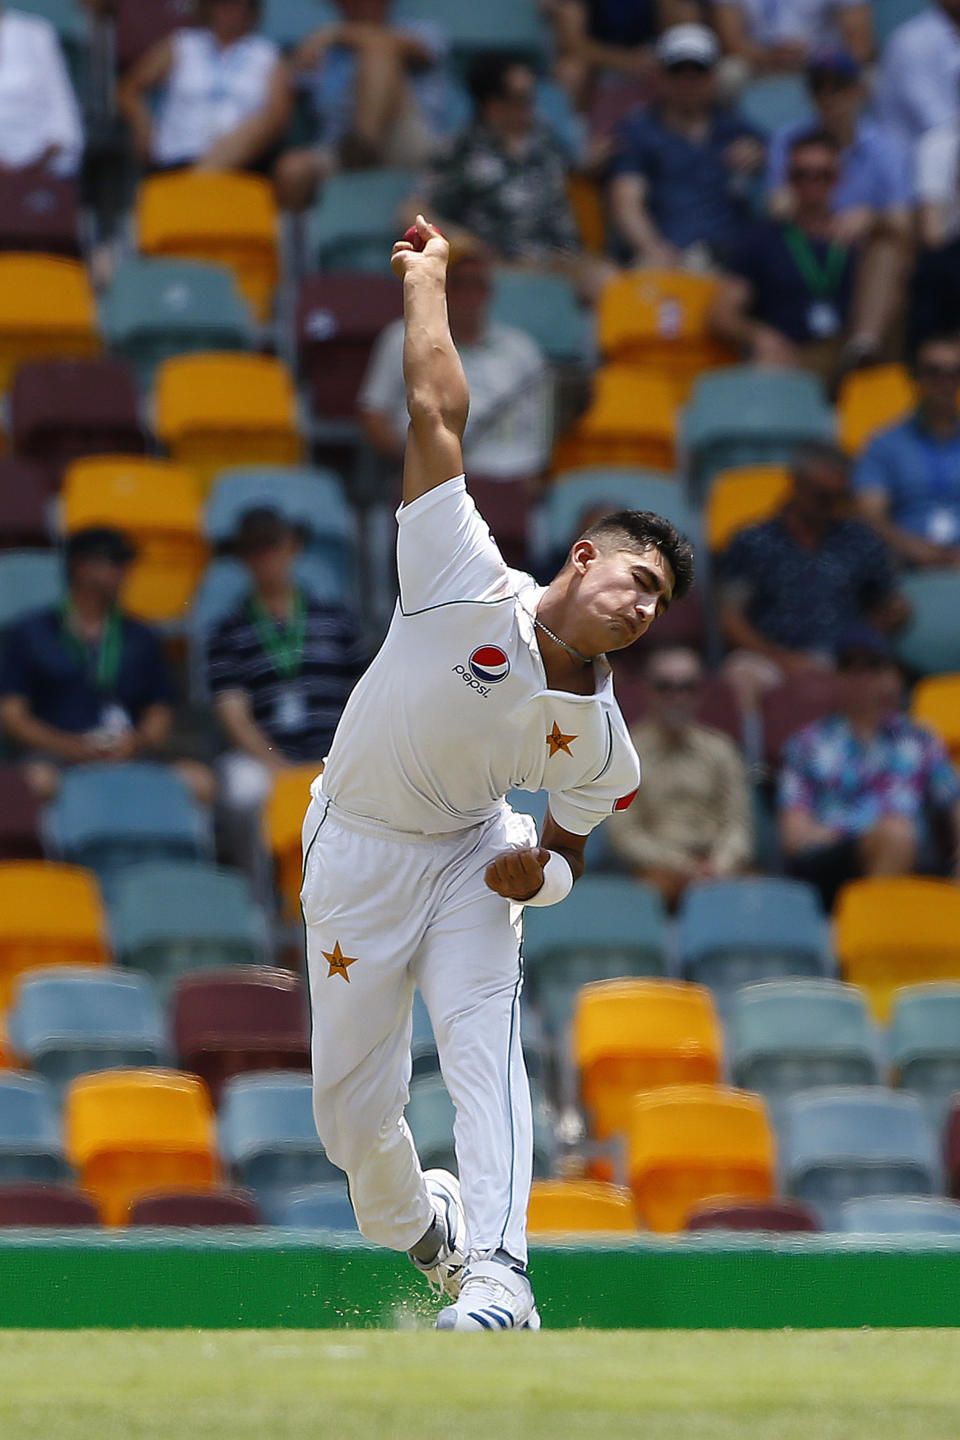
532	1322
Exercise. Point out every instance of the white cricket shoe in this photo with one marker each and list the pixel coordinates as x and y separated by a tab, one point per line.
493	1296
445	1270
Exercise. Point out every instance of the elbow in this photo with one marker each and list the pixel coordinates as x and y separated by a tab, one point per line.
431	414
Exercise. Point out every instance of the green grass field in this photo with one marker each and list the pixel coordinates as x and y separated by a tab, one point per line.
327	1385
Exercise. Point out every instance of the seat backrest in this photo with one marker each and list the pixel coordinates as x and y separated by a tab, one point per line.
856	1125
140	24
640	309
152	296
28	1117
45	294
699	1124
778	1216
29	580
24	505
602	910
925	1023
900	1215
145	497
137	800
338	320
930	641
61	1007
773	102
324	1206
51	903
312	499
137	1110
800	1018
935	702
287	22
545	306
223	391
19	817
182	206
196	1209
40	1204
576	494
742	399
750	913
515	26
90	397
39	212
354	207
797	701
579	1207
623	1018
265	1112
245	1007
744	495
902	914
870	400
212	904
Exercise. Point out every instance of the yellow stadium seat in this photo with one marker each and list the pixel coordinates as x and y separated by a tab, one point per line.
579	1207
897	930
49	915
689	1143
743	496
936	704
217	410
283	824
128	1132
589	213
8	1059
47	311
158	504
869	400
632	420
633	1035
658	319
228	218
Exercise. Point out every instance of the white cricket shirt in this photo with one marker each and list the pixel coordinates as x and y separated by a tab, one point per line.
455	710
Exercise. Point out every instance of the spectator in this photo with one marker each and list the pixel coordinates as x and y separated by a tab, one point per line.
40	125
691	819
794	585
938	184
281	668
908	479
857	788
682	172
380	93
509	432
782	35
82	681
916	88
602	40
224	94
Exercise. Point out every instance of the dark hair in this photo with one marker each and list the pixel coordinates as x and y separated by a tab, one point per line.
261	528
811	454
641	530
99	542
487	74
813	136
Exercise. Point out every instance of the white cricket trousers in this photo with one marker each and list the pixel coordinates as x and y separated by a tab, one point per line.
387	911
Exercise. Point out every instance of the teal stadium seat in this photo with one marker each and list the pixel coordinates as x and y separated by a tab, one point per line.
925	1045
156	309
287	22
888	14
313	500
318	1207
775	101
741	415
268	1137
29	580
430	1114
545	306
354	224
31	1142
69	1022
900	1215
574	492
515	26
929	643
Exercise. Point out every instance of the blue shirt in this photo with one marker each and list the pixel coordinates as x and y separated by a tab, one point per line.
623	22
40	664
782	297
920	476
875	170
692	193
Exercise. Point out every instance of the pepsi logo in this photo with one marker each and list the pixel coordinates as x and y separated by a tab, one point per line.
490	664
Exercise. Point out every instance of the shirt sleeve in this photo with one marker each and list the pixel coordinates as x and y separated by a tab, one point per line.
158	687
581	809
15	668
630	155
872	471
943	782
896	174
777	151
445	552
936	165
795	789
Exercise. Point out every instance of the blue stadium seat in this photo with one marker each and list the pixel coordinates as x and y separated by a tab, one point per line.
534	803
268	1138
574	492
430	1115
515	26
888	14
925	1045
930	640
109	817
838	1144
733	932
29	580
287	22
900	1215
789	1035
69	1022
775	101
159	308
545	306
311	499
167	918
318	1207
31	1143
355	222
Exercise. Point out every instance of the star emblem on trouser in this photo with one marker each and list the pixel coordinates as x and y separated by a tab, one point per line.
558	741
338	962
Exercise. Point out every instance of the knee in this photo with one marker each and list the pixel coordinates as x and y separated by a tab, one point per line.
296	176
891	842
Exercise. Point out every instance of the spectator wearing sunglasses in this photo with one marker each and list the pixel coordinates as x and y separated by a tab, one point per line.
691	819
908	478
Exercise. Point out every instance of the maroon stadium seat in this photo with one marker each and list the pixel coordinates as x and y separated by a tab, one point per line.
193	1207
39	212
681	624
719	707
249	1017
951	1149
141	23
63	410
505	506
779	1215
19	817
338	319
24	498
39	1204
795	703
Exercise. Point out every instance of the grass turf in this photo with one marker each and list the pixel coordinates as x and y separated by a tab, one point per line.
290	1385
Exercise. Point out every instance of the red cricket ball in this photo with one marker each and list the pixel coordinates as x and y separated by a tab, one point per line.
413	235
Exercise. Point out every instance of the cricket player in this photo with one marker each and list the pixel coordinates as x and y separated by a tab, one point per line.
416	870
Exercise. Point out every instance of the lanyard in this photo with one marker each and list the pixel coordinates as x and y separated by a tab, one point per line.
822	281
103	668
283	644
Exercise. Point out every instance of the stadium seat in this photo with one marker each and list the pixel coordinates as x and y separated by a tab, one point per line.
24	505
62	410
837	1144
213	924
576	494
898	930
790	1035
929	643
797	701
514	26
269	1139
888	14
113	816
689	1143
778	1216
745	495
869	401
900	1215
925	1045
718	708
633	1035
35	1204
133	1132
506	507
225	217
951	1148
227	409
228	1022
317	1207
287	22
657	319
19	817
70	1022
140	24
49	915
683	623
610	926
744	415
312	499
29	580
156	503
356	220
339	317
156	309
46	311
772	102
430	1115
196	1209
631	420
282	826
579	1207
935	703
732	932
31	1144
39	212
546	307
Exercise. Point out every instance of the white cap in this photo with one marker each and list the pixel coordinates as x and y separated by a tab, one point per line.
688	43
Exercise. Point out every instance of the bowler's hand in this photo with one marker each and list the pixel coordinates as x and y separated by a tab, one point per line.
431	256
518	874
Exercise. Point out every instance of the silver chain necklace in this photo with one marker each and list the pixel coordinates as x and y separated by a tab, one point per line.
570	649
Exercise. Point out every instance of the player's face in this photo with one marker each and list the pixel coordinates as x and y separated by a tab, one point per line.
619	595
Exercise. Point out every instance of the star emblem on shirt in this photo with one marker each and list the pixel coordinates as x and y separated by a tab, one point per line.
558	741
338	962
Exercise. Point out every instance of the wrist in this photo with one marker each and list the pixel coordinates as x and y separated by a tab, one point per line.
557	882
